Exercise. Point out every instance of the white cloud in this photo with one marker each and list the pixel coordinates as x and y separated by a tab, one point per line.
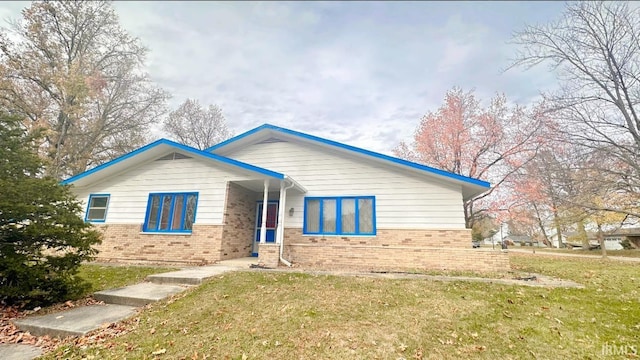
359	72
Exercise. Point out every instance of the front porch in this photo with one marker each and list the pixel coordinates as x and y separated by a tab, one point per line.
254	215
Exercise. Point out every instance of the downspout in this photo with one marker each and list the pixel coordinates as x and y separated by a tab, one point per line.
283	198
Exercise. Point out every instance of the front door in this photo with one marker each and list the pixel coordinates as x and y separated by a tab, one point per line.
272	221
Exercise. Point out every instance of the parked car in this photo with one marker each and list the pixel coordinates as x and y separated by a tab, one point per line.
475	244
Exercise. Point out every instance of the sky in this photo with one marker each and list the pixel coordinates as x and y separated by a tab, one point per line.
362	73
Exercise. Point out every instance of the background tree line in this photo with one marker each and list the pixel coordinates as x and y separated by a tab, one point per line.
570	161
68	68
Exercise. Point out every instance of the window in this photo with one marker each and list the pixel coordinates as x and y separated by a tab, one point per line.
97	208
340	215
172	212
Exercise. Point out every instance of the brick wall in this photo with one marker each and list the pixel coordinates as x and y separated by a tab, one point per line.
456	238
239	222
269	255
399	250
127	243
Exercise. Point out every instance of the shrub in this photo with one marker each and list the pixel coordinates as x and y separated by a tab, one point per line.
626	244
43	239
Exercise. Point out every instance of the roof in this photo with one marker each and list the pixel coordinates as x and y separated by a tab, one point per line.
470	186
518	238
154	150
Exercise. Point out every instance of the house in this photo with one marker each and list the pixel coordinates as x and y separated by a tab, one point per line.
613	240
552	238
521	240
286	197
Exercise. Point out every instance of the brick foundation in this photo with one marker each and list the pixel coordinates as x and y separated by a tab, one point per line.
450	238
127	243
394	250
269	255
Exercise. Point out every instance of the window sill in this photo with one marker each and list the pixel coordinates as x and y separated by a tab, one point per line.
165	233
341	235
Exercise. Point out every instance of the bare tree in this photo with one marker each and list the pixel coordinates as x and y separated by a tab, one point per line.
193	125
595	51
76	73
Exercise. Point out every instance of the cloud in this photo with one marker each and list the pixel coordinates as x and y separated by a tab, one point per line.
359	72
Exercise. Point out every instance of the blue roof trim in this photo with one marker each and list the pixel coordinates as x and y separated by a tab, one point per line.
356	150
182	147
241	136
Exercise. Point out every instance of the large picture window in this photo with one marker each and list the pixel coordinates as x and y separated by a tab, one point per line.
340	215
171	212
97	208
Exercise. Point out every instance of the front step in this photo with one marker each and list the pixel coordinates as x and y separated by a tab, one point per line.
75	322
137	295
192	276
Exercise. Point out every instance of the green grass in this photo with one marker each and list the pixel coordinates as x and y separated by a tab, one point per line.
260	315
103	277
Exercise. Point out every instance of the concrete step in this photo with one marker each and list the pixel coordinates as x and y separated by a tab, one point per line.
191	276
19	352
137	295
75	322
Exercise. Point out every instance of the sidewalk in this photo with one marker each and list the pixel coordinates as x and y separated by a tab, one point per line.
120	304
549	253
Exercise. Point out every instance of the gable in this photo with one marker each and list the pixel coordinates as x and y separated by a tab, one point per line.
163	150
264	134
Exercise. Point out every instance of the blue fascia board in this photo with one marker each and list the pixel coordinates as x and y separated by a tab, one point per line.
241	136
178	146
373	154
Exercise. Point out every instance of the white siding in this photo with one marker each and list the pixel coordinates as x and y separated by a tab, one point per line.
130	190
403	200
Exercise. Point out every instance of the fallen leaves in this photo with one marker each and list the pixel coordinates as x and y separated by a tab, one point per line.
159	352
10	334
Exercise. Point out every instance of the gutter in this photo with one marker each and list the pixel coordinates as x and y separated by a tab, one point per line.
283	198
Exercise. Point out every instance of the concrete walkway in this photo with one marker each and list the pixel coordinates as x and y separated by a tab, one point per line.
552	253
120	304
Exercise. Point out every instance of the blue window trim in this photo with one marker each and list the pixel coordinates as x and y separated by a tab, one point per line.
86	214
173	200
338	200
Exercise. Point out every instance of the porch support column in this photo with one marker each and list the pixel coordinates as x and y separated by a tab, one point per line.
281	208
265	203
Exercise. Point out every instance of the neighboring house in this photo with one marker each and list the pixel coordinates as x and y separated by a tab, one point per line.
552	237
612	241
329	204
521	240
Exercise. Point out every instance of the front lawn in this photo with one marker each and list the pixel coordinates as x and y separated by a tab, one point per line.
102	277
262	315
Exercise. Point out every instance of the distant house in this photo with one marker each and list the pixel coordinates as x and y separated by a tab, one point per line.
552	237
613	240
285	197
521	240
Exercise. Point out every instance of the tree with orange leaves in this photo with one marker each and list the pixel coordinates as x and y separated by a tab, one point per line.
491	143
